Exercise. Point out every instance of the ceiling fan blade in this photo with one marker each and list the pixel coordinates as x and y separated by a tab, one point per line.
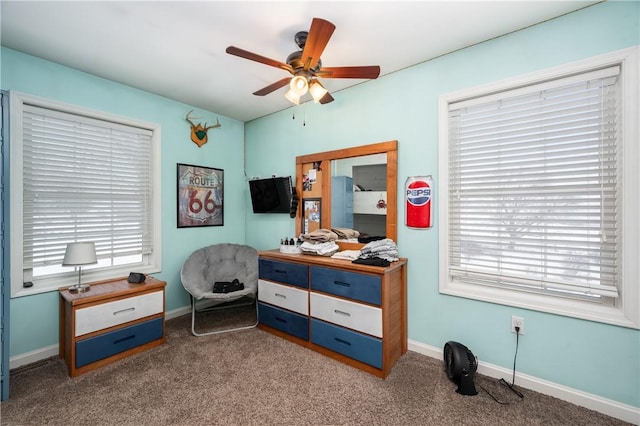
236	51
274	86
371	72
317	39
326	98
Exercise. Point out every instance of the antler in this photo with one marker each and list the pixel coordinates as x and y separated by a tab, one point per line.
187	118
214	126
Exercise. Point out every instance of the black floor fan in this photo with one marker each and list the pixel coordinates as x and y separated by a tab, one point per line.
461	366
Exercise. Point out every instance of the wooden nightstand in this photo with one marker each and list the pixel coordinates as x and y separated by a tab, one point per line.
113	320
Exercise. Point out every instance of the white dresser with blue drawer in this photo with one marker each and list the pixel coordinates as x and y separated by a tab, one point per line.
353	313
113	320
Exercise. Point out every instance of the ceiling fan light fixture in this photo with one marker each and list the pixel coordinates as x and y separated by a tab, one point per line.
317	90
299	85
292	97
305	65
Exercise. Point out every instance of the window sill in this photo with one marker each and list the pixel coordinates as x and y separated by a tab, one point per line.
554	305
53	284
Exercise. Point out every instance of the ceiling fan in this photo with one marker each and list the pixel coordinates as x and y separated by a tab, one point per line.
306	67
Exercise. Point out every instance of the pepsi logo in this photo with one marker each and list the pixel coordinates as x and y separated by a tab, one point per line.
418	193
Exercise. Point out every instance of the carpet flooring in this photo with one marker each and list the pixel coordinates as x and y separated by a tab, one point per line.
254	378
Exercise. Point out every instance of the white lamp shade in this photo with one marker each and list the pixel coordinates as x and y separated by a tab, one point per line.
299	85
292	97
80	254
317	91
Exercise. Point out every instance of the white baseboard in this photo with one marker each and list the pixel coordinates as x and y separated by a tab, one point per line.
627	413
175	313
33	356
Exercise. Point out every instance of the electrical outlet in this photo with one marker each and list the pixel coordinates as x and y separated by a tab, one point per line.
517	322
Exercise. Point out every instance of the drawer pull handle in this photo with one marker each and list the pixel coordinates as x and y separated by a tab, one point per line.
281	320
122	311
280	271
344	342
124	339
342	283
347	314
281	295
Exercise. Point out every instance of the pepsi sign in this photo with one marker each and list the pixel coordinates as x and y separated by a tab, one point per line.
418	194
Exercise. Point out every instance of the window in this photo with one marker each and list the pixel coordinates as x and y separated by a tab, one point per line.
80	175
539	188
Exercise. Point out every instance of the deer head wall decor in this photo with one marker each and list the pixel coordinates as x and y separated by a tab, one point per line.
198	131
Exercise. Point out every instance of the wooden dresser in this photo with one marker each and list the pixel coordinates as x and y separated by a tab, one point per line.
354	313
113	320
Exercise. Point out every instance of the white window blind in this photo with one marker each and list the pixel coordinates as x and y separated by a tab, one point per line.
533	188
85	180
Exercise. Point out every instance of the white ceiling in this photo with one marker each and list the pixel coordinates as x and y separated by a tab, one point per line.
177	48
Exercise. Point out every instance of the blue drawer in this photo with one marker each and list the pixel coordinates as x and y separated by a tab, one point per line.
283	272
358	346
364	288
105	345
289	322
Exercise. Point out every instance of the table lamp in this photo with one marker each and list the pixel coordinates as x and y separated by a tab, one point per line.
79	254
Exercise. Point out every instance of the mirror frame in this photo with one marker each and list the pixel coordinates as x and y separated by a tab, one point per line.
325	158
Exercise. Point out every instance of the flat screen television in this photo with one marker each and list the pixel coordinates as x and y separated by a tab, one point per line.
271	195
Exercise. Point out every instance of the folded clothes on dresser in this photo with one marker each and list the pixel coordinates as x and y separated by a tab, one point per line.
319	236
347	254
346	233
384	249
372	261
319	249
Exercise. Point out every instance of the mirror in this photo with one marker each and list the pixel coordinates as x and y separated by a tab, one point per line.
323	180
359	194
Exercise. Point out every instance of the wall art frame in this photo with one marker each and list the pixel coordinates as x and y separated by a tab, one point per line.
200	196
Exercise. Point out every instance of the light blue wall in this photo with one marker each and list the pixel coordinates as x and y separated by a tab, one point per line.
33	318
592	357
588	356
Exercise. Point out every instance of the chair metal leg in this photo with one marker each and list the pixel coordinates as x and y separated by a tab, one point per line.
193	320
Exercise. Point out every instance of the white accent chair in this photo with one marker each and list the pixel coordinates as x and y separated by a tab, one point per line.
220	263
